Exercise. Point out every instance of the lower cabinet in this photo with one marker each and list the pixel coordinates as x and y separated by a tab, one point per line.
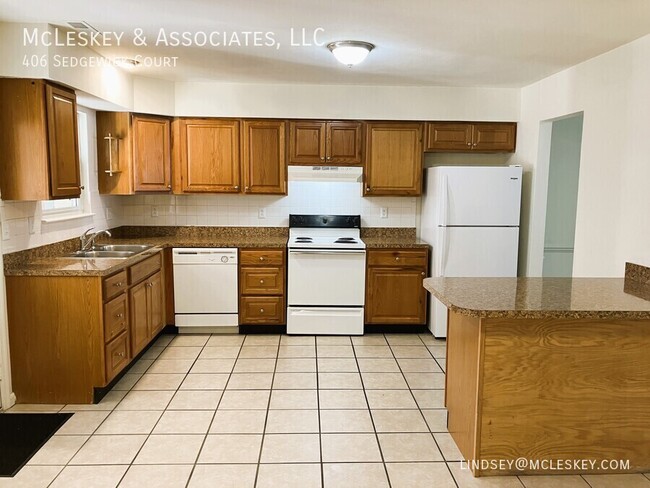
394	291
72	334
262	275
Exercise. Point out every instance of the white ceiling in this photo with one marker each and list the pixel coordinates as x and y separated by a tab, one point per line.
506	43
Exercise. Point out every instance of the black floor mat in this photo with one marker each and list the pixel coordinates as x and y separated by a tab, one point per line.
22	434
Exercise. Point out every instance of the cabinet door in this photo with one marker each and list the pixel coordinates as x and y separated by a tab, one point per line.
393	159
151	153
307	142
448	137
65	181
395	296
140	332
155	303
209	155
494	137
344	143
264	157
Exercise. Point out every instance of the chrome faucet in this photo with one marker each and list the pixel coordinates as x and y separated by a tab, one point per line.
88	241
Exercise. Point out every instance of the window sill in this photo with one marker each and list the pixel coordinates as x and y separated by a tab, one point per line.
48	219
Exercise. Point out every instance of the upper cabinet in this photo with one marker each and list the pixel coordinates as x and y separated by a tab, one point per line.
38	135
133	153
207	155
471	137
264	156
330	143
393	159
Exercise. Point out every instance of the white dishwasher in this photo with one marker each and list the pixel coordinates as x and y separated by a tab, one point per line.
205	288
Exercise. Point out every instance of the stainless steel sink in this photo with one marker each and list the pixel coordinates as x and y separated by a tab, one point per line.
111	251
135	248
102	254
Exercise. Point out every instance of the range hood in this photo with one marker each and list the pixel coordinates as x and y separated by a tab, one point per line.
348	174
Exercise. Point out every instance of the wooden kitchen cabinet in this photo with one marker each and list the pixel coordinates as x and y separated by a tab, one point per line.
471	137
325	142
264	156
393	156
38	135
72	335
137	158
394	291
207	156
262	274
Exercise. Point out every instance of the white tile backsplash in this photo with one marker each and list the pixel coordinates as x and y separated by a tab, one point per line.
305	197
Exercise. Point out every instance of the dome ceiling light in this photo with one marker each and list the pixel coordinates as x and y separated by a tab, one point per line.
350	52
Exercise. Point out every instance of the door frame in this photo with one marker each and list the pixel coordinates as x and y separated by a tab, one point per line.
7	396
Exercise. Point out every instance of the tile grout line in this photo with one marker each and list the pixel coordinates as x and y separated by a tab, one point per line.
420	410
205	437
320	426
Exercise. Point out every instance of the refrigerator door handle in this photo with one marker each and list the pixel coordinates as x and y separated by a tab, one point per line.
442	251
444	201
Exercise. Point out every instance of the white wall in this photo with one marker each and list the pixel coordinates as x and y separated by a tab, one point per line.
612	223
305	197
346	101
16	216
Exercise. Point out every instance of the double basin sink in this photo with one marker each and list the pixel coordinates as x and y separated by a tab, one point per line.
111	251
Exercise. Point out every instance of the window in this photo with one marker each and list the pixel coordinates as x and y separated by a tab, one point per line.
70	208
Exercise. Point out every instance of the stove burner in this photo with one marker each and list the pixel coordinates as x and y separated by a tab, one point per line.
304	239
346	240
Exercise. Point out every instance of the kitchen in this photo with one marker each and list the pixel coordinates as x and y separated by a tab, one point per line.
287	209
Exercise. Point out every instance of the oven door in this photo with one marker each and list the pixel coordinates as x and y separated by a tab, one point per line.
320	277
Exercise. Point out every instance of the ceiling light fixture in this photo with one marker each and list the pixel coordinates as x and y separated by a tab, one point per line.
350	52
126	62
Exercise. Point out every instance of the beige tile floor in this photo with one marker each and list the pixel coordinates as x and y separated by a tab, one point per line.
272	411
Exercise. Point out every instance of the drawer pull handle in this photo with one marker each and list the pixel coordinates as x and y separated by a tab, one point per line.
118	284
261	310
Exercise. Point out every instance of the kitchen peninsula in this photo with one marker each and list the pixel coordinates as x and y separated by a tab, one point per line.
548	369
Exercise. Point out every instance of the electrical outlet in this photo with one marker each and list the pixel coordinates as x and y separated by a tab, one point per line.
383	213
154	211
261	213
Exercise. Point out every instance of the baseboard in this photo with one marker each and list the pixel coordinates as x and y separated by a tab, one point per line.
395	329
262	329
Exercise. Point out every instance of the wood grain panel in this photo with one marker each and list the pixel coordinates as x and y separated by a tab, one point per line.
395	296
151	153
397	257
462	381
63	146
494	137
344	143
117	124
141	270
264	157
562	389
307	140
116	317
393	159
261	310
56	338
261	281
261	257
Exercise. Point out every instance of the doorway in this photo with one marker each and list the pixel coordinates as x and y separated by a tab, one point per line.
562	196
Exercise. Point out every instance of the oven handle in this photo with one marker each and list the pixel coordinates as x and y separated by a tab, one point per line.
316	251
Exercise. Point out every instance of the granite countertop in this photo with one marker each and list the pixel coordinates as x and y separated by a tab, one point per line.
394	242
540	298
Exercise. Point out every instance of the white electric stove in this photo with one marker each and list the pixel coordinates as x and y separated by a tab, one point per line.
326	275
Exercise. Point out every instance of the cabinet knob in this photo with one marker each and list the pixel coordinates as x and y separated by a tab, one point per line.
118	284
261	310
82	187
246	188
469	143
119	316
474	145
396	258
120	354
329	158
423	273
261	258
322	158
169	187
261	282
236	187
368	188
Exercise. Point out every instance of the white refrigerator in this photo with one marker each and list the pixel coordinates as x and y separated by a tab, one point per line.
470	216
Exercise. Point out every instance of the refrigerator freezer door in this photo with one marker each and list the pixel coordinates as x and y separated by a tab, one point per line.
476	252
475	196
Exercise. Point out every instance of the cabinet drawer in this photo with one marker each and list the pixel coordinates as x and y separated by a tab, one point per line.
262	281
117	355
140	271
398	258
116	314
261	310
114	285
261	257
